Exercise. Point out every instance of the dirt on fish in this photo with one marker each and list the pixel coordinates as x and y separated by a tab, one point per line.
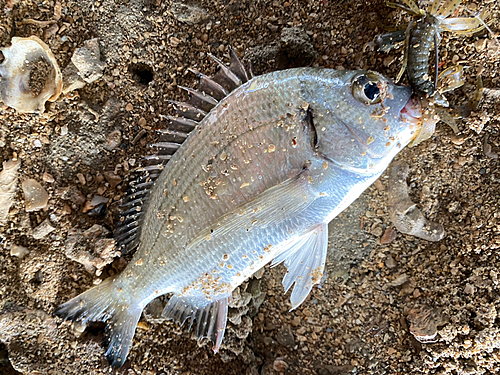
385	306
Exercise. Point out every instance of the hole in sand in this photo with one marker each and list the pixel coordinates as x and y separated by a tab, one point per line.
5	366
142	73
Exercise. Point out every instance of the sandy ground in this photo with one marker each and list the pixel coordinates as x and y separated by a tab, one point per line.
375	293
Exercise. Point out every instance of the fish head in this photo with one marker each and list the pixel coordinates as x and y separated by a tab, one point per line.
365	120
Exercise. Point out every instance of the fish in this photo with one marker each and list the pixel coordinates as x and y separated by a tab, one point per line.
250	171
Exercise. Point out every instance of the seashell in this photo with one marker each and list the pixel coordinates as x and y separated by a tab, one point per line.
29	76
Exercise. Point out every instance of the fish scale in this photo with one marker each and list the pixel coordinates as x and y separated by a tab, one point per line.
207	135
256	181
263	127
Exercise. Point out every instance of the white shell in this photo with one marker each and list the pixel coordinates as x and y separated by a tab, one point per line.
16	73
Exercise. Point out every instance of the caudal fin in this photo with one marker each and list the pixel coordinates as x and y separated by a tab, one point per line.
103	303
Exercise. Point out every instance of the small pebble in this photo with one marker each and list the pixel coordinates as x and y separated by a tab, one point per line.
99	178
480	44
43	230
377	231
66	210
174	42
97	200
47	177
19	251
81	178
388	236
112	178
87	61
142	122
285	337
469	289
390	262
189	14
113	140
400	280
279	365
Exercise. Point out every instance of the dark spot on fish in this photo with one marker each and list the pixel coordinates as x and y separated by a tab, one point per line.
308	124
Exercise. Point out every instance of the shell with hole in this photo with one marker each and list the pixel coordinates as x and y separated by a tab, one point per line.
29	75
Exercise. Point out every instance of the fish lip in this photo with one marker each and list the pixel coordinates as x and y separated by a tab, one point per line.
412	108
423	122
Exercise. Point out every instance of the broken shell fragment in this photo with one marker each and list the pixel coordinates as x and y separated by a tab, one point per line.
19	251
424	323
8	184
405	215
29	75
85	66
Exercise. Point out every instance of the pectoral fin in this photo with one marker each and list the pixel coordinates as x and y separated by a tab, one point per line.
305	261
269	208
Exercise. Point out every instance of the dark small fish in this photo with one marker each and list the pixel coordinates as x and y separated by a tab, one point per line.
421	35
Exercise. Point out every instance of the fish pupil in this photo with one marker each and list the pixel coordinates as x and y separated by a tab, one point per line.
371	91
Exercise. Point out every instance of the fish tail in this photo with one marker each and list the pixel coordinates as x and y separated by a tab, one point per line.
104	303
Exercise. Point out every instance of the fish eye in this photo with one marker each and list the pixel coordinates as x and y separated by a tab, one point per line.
371	90
366	88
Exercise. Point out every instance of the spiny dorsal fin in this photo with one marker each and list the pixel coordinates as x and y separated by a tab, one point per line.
209	86
188	111
237	67
187	116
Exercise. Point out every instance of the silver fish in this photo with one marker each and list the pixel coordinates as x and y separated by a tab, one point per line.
274	160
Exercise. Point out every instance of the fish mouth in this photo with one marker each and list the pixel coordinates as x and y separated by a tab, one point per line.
422	122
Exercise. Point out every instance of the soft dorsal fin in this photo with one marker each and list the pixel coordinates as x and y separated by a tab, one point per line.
305	261
210	91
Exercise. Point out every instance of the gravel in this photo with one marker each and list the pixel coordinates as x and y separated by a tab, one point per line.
385	294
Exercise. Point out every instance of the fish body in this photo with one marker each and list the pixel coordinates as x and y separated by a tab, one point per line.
256	181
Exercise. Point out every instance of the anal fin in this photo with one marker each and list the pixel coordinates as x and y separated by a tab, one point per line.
305	262
210	318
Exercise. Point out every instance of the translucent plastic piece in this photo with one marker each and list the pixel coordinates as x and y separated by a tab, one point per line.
29	75
428	119
35	196
405	215
451	78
